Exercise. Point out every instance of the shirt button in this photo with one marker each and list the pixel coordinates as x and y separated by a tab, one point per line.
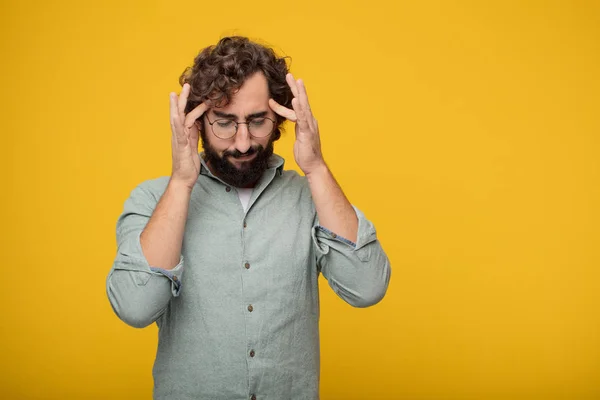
253	397
250	308
247	265
228	189
252	353
174	278
245	225
334	235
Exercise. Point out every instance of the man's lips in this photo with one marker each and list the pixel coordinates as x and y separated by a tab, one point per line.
244	158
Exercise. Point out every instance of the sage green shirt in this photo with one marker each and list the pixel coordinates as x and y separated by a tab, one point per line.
238	317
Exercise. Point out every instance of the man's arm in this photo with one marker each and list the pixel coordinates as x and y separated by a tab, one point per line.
148	267
351	259
139	291
162	238
359	272
333	208
348	252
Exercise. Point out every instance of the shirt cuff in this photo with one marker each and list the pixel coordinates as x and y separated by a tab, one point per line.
366	235
334	236
174	275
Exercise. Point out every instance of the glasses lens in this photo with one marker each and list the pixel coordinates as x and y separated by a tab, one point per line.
260	127
224	128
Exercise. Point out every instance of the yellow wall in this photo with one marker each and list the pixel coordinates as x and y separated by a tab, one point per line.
468	131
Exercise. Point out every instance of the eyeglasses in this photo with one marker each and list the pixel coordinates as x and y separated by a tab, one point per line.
227	128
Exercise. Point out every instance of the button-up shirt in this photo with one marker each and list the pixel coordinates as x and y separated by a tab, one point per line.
238	317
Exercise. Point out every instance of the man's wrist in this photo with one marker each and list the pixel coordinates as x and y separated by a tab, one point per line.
177	186
318	173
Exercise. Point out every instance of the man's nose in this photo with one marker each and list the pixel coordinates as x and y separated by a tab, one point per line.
242	138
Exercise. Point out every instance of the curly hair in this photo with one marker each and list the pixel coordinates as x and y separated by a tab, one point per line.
220	70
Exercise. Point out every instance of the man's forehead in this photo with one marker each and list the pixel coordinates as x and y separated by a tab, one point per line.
252	97
241	110
245	105
254	88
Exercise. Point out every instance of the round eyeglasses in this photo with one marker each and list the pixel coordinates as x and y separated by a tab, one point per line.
257	127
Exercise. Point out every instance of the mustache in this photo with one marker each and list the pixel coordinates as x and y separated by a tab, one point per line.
236	153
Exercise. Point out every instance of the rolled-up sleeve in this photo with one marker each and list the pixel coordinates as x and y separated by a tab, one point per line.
357	272
139	293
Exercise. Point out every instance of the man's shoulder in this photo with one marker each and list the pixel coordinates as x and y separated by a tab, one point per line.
288	176
152	189
292	176
154	184
292	179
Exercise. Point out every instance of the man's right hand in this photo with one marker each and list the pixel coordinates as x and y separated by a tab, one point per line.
184	140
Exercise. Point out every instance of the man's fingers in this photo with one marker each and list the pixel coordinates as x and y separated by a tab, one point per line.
283	111
304	104
173	104
174	111
193	136
193	115
301	121
176	128
303	96
292	84
185	92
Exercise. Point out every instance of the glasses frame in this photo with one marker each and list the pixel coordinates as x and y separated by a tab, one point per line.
237	124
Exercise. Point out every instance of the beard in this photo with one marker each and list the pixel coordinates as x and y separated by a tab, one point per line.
248	173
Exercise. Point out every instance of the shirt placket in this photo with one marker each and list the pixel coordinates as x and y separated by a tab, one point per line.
251	307
251	303
250	312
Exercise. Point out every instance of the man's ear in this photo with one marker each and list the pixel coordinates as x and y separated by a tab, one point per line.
200	124
276	134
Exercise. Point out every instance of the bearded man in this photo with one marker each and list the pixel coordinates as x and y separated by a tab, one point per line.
224	255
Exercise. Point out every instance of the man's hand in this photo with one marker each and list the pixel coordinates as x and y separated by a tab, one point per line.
184	139
307	148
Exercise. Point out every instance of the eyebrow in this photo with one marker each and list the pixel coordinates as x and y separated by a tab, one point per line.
234	116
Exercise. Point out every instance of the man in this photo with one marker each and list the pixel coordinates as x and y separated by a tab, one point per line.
242	321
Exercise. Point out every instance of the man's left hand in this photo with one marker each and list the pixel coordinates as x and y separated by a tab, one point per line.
307	148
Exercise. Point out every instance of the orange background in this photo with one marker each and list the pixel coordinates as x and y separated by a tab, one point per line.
467	131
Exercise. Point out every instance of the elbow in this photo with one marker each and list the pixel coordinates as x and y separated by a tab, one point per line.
130	304
368	294
136	321
368	297
132	316
380	281
371	290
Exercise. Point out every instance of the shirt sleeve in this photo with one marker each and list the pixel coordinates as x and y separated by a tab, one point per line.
357	272
139	293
